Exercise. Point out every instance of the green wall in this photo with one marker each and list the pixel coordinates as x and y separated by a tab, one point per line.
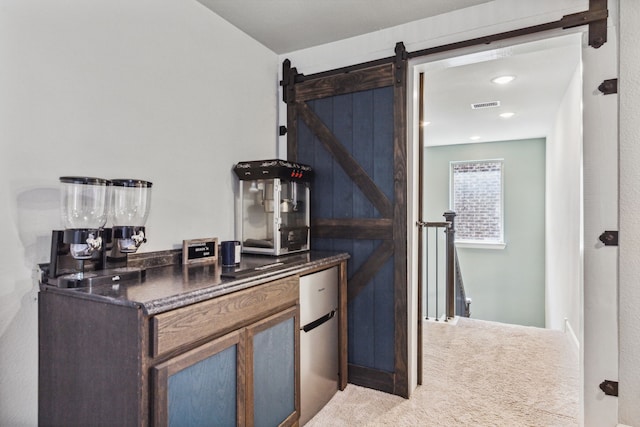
506	285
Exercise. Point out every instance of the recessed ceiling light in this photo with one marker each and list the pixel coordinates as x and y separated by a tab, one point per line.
507	115
475	137
503	80
423	124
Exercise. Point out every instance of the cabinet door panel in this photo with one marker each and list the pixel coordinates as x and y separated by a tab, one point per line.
201	387
205	393
273	357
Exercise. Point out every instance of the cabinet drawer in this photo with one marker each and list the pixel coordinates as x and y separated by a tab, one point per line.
220	315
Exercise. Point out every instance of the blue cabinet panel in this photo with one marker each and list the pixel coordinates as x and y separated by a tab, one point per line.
274	374
204	394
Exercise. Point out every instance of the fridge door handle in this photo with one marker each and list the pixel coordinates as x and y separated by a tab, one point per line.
319	321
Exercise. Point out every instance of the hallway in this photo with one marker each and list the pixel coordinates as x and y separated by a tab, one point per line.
477	373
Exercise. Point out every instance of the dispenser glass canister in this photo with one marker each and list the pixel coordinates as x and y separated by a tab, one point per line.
131	200
84	212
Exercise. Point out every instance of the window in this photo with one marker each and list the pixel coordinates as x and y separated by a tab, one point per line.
477	199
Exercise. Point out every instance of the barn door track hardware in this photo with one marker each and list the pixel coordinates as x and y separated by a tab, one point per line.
609	87
610	388
609	238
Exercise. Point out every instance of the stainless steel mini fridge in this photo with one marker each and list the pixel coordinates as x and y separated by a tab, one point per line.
319	349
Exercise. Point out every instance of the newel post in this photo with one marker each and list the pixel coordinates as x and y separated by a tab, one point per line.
450	275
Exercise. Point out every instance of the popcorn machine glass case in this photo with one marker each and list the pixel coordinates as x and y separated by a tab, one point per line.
274	213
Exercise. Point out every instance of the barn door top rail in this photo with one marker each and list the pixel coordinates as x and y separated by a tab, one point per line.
595	17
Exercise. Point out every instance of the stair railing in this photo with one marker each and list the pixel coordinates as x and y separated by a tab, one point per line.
451	292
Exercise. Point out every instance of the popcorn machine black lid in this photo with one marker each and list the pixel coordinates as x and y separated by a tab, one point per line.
269	169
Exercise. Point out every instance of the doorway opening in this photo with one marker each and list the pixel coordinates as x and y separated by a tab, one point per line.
542	143
531	127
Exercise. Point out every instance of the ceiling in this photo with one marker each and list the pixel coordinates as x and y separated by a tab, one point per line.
543	69
288	25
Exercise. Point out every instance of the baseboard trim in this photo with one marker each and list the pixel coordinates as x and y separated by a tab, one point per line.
572	335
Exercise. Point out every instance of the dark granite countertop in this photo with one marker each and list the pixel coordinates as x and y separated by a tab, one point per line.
171	286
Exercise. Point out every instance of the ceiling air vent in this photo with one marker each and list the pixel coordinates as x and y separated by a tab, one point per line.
489	104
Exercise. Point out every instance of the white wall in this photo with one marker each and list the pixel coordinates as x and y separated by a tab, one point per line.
162	90
506	285
563	233
629	93
600	295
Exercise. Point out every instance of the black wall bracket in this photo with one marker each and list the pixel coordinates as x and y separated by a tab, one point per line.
610	388
609	87
282	130
400	61
598	29
288	80
609	238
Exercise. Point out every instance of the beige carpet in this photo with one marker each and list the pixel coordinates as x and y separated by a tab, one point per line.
477	373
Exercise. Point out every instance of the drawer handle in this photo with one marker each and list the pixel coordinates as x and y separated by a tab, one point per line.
312	325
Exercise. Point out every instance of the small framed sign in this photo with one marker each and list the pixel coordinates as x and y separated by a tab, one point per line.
200	251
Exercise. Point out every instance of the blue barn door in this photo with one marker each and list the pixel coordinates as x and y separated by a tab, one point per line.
350	127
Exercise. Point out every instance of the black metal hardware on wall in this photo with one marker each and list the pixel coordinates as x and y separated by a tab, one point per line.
595	17
282	130
598	28
609	238
401	60
609	87
288	80
610	388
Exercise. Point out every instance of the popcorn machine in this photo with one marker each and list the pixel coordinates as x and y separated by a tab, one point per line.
274	212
